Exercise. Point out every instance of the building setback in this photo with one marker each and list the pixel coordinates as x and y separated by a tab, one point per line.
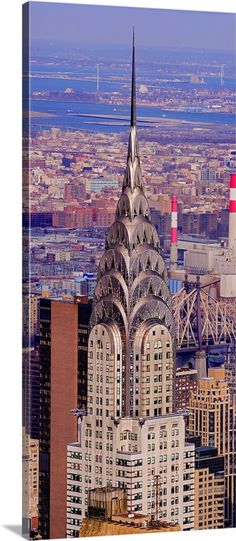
63	386
131	437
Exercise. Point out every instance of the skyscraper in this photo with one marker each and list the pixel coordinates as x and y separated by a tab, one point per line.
211	418
131	435
209	487
63	386
30	466
30	391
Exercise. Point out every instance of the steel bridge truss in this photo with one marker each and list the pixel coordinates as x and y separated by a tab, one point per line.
202	320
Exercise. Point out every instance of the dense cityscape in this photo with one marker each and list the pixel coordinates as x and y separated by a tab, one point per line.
70	192
129	293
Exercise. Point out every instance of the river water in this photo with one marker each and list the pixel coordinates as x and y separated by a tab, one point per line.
44	79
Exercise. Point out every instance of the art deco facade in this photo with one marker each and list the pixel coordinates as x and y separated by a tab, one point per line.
131	436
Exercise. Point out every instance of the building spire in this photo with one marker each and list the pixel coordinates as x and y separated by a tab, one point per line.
133	88
133	175
132	285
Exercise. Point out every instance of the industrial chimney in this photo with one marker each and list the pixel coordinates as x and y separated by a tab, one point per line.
173	234
232	212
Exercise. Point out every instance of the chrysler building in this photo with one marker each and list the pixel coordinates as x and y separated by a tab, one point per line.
130	435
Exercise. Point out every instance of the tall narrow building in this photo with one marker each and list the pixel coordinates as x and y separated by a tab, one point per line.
63	378
132	301
131	435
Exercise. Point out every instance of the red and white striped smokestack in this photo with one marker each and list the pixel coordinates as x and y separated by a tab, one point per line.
232	212
174	220
173	233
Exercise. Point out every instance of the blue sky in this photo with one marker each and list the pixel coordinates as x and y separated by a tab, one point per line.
104	25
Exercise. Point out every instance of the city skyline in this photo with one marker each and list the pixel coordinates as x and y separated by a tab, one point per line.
130	290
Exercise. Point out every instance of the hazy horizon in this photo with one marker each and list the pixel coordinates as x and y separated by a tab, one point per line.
88	25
